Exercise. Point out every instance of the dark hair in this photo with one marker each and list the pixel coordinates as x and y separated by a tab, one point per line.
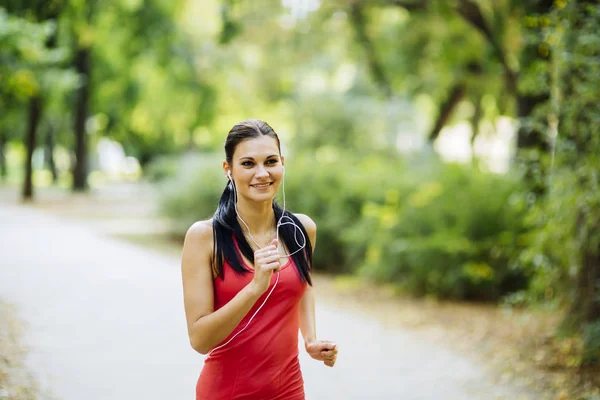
226	226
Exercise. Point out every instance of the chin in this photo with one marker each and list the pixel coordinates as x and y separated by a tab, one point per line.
263	197
260	197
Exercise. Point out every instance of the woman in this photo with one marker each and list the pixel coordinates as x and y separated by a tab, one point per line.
246	280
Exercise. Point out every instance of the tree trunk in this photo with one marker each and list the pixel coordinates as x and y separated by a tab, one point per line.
35	111
527	137
3	169
477	114
591	272
49	152
83	67
584	310
585	307
359	23
457	92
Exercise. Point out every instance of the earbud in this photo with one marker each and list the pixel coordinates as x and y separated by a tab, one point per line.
282	170
229	175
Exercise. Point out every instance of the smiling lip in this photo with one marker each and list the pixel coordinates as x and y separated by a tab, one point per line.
262	185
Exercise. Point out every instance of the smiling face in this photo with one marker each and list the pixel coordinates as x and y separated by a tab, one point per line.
256	168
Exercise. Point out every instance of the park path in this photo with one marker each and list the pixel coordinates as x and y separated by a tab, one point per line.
105	321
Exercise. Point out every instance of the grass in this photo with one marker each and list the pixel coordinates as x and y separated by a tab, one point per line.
16	381
167	244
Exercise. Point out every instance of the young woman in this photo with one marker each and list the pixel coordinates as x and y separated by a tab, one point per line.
246	280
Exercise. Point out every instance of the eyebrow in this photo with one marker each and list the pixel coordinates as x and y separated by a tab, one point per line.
251	158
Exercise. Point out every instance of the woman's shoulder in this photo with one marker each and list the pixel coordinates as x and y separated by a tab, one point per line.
307	222
200	230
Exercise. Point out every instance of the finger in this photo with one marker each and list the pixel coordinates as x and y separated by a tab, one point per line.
331	360
327	345
271	254
273	243
271	266
264	251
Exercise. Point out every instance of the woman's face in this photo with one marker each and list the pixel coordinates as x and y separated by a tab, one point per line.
256	168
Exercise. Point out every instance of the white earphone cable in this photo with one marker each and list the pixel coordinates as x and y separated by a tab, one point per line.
248	323
279	224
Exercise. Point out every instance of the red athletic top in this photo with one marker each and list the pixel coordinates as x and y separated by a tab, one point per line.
261	363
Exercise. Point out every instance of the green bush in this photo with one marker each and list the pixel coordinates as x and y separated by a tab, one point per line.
332	189
161	168
450	231
193	193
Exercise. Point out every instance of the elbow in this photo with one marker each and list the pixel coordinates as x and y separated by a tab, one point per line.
199	346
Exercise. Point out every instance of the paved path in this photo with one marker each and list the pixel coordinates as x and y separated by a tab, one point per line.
106	321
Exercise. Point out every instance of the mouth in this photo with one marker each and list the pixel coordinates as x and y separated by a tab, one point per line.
262	185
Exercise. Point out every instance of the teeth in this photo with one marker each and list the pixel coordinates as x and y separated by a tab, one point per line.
263	185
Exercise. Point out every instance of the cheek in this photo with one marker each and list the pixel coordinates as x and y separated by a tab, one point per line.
278	176
242	177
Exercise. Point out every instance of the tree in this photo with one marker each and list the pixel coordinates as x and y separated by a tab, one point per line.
32	61
147	84
474	71
578	77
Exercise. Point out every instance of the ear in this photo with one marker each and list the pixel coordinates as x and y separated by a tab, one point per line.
282	160
226	168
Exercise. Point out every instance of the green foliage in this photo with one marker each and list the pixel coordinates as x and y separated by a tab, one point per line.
449	231
161	169
340	184
332	122
27	65
147	84
563	225
194	192
591	337
563	247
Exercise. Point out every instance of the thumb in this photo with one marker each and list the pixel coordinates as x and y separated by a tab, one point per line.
273	243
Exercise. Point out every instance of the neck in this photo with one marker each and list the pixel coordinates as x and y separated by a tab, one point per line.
259	217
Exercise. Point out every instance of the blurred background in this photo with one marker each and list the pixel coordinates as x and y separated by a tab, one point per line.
449	151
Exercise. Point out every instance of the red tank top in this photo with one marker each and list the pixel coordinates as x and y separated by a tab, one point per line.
262	361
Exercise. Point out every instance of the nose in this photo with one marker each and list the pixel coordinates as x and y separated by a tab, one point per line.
262	172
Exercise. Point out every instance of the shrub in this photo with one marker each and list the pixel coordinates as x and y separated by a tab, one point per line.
450	233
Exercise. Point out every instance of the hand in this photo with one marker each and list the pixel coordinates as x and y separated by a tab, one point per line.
322	350
266	261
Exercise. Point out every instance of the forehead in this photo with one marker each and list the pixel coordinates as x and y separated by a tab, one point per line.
259	147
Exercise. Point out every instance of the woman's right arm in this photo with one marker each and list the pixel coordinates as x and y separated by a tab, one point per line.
207	327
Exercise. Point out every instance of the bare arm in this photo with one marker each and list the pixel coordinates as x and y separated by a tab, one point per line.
206	327
320	350
308	326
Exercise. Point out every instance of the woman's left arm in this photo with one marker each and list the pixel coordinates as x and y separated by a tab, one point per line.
321	350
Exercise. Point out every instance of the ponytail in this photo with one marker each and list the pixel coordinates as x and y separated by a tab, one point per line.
222	224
